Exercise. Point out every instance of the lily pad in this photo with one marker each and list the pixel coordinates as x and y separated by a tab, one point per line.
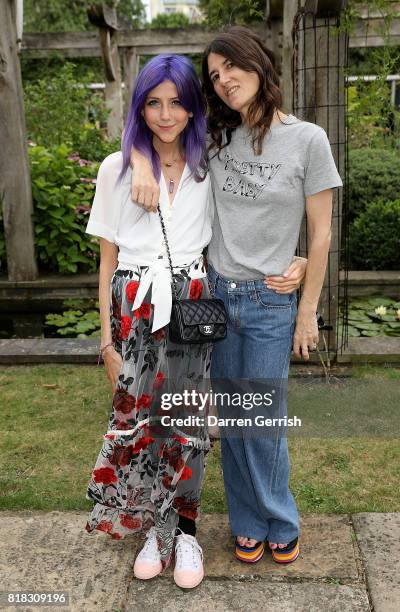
393	332
359	304
394	325
369	333
358	316
370	326
374	316
380	301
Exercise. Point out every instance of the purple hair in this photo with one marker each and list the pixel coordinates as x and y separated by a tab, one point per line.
179	70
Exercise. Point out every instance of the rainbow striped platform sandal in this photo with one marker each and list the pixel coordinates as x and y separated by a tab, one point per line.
287	554
249	555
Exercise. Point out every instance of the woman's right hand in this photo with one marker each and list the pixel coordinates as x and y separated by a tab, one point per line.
145	189
113	363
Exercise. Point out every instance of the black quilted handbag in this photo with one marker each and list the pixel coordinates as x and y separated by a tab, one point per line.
194	321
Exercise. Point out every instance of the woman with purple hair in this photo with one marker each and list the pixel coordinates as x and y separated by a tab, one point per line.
144	481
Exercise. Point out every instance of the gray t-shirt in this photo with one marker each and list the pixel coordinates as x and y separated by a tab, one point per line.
260	200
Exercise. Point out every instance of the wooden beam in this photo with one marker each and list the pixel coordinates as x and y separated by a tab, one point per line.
15	184
190	40
171	38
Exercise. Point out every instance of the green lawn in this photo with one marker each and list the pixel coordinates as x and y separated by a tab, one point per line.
347	458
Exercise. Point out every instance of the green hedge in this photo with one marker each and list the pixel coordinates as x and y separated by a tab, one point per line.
375	237
373	174
63	186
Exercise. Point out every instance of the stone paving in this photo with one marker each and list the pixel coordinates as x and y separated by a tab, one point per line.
341	568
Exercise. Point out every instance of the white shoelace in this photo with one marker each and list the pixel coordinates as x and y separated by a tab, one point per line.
150	550
188	552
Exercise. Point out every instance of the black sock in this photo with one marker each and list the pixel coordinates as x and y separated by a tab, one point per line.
187	525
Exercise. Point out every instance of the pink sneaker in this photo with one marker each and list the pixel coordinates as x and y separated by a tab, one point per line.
189	570
148	562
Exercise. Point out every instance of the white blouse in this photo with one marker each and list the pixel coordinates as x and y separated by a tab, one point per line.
138	234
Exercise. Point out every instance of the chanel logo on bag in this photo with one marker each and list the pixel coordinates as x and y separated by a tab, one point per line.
207	330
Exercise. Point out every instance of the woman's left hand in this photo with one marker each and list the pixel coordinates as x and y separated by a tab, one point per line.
306	332
290	280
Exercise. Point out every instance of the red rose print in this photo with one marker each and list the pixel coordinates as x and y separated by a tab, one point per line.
123	401
130	522
126	323
180	439
159	380
122	424
146	440
177	463
196	289
167	481
116	536
105	475
131	290
159	334
105	526
186	474
142	443
144	311
144	401
121	455
186	507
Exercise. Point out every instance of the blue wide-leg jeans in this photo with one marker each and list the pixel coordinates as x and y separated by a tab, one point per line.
256	469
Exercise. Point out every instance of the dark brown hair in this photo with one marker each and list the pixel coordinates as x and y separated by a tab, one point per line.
246	50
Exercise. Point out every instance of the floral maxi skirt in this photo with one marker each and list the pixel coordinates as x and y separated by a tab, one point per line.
140	478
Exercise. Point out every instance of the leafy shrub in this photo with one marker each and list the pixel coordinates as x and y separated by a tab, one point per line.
373	174
169	20
373	122
62	110
375	237
63	187
93	145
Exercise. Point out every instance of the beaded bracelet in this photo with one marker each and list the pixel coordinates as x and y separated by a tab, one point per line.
102	349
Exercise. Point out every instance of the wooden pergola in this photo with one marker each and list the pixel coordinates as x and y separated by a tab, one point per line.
310	60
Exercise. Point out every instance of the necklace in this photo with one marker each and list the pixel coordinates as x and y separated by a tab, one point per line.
169	164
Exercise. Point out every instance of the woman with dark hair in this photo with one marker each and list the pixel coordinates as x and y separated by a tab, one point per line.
266	169
144	479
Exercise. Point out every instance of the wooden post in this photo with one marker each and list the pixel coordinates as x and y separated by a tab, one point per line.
131	70
15	184
105	17
113	83
290	8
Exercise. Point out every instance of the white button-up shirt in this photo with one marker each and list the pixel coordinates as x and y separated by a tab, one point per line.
138	234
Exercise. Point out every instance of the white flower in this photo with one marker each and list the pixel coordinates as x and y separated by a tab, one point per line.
380	311
398	314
